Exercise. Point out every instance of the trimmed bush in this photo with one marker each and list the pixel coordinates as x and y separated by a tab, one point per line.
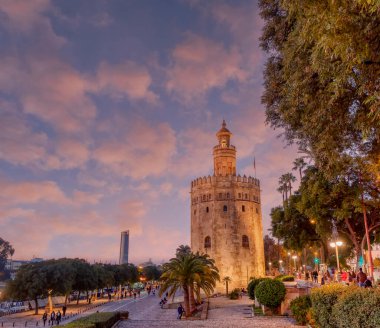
98	320
270	293
234	295
284	278
323	299
358	308
252	286
300	307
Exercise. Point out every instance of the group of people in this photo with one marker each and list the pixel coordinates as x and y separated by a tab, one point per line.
348	277
55	318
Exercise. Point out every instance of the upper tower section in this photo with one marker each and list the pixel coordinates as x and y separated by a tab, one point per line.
224	153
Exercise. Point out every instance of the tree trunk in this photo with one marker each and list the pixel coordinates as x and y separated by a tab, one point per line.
192	299
300	175
226	287
78	297
186	300
36	303
66	297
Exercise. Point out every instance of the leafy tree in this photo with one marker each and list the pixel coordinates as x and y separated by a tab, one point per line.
151	272
6	251
321	80
85	278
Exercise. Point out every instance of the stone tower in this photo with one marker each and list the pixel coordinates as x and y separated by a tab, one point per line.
226	217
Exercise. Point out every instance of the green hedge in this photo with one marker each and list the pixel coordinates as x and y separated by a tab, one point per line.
270	293
234	295
323	299
284	278
252	286
300	307
357	308
98	320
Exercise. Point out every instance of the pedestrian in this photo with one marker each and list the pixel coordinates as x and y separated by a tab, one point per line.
52	318
64	308
44	318
138	292
134	295
58	317
315	276
180	311
307	275
361	277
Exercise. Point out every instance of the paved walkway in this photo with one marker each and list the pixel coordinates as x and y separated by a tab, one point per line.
223	313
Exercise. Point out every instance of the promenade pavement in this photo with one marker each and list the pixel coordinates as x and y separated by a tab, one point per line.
223	313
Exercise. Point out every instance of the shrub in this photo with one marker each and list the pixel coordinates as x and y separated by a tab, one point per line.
357	308
252	286
300	307
284	278
234	295
270	293
97	320
323	299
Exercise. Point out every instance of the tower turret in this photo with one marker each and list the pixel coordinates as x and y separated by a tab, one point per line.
224	153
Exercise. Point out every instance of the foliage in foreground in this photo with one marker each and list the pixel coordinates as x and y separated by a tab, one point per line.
284	278
300	307
252	286
270	293
97	320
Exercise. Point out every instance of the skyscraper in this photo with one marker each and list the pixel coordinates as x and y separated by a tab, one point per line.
124	247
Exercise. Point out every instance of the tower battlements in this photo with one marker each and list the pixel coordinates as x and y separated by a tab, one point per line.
211	180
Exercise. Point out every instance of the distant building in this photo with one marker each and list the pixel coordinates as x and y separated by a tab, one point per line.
14	265
124	247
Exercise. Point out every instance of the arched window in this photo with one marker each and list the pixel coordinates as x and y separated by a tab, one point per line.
204	198
225	208
245	241
207	209
208	242
228	195
243	208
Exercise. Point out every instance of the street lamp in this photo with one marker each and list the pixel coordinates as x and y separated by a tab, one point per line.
288	262
294	257
337	244
280	265
270	267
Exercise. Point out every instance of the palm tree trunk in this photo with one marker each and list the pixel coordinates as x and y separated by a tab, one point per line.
227	288
300	175
186	300
78	297
192	299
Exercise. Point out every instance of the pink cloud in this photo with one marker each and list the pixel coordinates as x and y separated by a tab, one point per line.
138	150
125	80
31	193
82	197
199	65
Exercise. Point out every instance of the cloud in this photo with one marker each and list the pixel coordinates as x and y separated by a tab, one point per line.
199	65
137	150
125	80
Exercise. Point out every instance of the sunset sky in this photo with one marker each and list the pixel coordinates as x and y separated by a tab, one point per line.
109	109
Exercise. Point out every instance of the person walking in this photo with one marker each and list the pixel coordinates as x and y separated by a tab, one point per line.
180	311
361	277
44	318
52	318
315	276
58	317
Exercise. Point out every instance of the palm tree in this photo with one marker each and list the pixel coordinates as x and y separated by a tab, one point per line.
289	178
299	164
226	280
281	189
283	186
191	273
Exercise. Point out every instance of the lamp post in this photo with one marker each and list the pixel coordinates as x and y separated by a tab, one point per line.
280	265
270	268
294	257
336	244
288	262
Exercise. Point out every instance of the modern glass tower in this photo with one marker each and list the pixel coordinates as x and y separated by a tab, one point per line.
124	247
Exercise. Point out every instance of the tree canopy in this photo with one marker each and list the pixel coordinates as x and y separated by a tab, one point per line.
322	80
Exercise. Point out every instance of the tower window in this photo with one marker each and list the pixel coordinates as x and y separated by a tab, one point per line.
243	208
209	196
245	241
195	212
208	242
204	198
207	209
246	196
225	208
239	195
228	195
257	210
